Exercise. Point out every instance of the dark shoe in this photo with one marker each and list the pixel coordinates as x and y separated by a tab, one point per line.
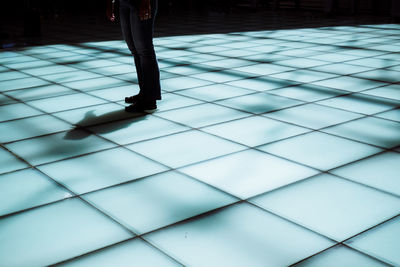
141	106
132	99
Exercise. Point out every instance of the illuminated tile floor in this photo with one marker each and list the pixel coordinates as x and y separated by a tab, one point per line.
270	148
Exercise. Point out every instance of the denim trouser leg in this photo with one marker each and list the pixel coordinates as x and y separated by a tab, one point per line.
138	36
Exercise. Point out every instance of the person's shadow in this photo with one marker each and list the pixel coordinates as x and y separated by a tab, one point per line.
105	123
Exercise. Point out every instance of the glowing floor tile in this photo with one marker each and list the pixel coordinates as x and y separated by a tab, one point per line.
262	173
302	63
112	167
342	68
48	70
381	242
179	83
21	83
137	129
381	75
4	100
65	102
341	256
202	115
380	171
306	92
214	92
370	130
263	69
12	75
262	83
303	76
39	92
54	233
58	146
320	150
241	235
393	115
70	76
158	201
336	208
173	101
31	64
189	69
229	63
349	83
30	127
254	131
98	63
390	91
185	148
375	62
361	103
17	111
136	252
117	93
9	162
114	70
237	53
259	103
95	84
334	57
313	116
26	189
222	76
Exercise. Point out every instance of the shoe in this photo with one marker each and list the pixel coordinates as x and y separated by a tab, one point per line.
132	99
141	106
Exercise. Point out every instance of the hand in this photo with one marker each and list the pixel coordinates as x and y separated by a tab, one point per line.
145	10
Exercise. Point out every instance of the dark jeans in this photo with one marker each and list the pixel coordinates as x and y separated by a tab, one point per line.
138	36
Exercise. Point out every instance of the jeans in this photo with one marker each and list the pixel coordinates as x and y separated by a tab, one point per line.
138	35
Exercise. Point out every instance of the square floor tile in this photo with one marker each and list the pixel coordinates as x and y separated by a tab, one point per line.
391	91
8	162
58	146
180	83
380	171
8	85
12	75
383	75
381	242
259	103
262	83
116	93
54	233
370	130
70	76
114	70
361	103
393	115
313	116
48	70
303	76
174	101
263	69
349	83
185	148
158	201
241	235
341	256
307	92
136	252
222	76
39	92
137	129
261	173
302	63
95	84
5	100
342	68
202	115
30	127
319	150
254	131
105	169
17	111
333	207
26	189
214	92
66	102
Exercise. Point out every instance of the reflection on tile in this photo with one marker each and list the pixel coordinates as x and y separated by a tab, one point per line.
238	236
313	116
380	171
185	148
17	111
336	208
137	129
262	173
25	189
135	252
65	102
381	242
58	146
30	127
319	150
259	103
254	131
83	177
361	103
202	115
370	130
9	162
54	233
341	256
214	92
158	201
